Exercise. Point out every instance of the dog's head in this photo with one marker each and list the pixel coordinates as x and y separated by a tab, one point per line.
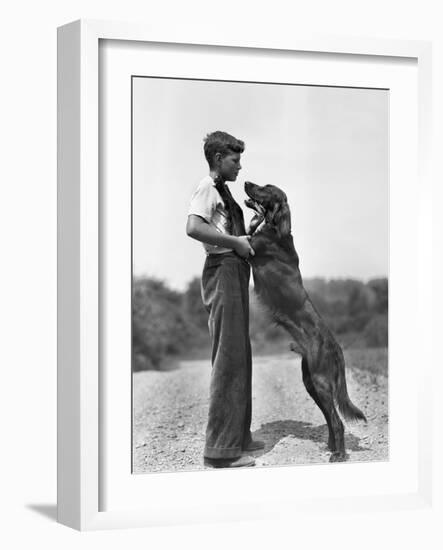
271	204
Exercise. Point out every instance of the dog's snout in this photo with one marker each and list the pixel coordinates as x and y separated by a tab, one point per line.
249	187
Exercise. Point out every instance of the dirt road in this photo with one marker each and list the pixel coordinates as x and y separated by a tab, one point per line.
170	413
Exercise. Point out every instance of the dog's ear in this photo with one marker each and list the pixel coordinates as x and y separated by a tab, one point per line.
281	217
270	214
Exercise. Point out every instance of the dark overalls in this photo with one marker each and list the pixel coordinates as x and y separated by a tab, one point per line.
225	294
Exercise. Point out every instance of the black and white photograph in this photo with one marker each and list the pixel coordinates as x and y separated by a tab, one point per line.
260	274
222	285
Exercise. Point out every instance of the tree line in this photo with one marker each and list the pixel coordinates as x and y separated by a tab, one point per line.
167	323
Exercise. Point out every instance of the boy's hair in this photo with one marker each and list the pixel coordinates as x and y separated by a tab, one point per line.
221	142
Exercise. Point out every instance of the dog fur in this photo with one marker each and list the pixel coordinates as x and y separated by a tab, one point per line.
279	286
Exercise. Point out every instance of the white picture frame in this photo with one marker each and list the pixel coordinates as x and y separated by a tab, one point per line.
80	413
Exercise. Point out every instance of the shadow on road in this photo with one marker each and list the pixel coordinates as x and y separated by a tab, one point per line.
272	432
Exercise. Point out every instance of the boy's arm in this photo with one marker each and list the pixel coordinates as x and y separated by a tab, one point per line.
199	229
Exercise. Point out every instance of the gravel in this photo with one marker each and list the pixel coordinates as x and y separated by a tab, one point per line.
170	413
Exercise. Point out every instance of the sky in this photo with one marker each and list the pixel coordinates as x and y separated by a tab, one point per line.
327	148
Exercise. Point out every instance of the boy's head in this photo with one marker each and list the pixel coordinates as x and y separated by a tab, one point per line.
222	151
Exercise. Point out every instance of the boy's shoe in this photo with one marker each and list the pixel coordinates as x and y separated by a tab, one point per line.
243	461
254	445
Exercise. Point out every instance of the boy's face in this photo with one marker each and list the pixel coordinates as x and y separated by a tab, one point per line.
229	166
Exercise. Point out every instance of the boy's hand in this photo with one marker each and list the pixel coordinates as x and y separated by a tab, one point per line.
243	248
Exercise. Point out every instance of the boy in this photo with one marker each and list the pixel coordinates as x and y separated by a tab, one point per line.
215	219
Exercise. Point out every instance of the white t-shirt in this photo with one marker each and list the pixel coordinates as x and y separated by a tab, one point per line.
207	203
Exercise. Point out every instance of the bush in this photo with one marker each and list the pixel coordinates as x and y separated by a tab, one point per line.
166	323
376	332
159	324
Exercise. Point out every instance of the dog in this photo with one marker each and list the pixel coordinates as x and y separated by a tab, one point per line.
279	286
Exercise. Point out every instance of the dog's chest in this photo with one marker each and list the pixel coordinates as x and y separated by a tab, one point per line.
278	284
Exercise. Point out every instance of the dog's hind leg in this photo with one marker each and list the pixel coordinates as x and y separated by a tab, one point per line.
307	381
324	392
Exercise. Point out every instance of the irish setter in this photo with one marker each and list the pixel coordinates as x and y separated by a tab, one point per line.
279	286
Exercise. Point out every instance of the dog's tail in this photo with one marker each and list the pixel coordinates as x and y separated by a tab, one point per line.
344	403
